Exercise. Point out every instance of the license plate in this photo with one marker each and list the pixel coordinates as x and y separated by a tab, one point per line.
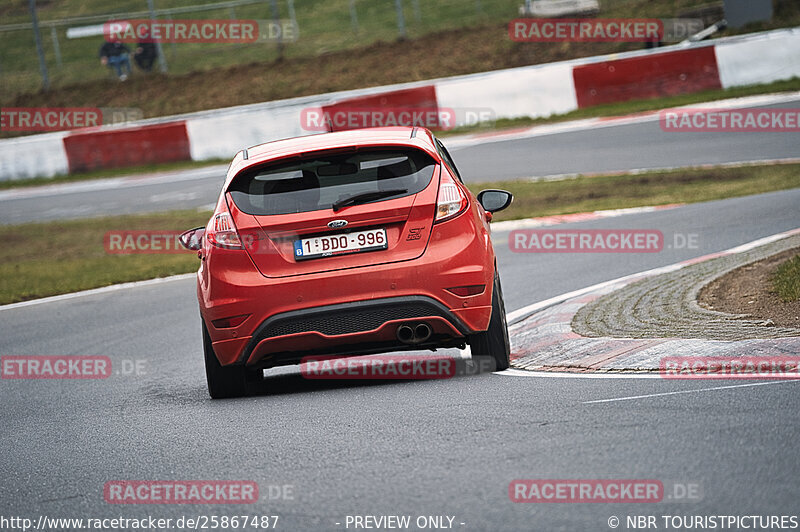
340	244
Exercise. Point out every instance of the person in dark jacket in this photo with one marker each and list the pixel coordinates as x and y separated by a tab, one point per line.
145	56
115	55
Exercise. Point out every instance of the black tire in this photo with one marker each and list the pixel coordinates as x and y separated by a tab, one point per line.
224	381
494	342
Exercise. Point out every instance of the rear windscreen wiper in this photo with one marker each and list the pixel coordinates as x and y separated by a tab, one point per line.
366	197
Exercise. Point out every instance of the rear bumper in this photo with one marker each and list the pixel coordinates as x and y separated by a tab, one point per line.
355	328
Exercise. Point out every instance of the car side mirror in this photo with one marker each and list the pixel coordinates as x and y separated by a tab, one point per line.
193	238
495	200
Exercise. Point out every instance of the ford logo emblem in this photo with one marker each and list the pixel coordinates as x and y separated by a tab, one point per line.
336	224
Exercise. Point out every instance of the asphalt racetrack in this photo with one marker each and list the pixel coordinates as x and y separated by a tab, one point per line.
334	449
418	448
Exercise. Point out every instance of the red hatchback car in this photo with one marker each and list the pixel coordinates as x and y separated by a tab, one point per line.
343	244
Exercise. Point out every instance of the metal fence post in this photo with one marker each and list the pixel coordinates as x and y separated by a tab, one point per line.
276	17
39	50
401	21
162	59
528	8
353	16
56	47
232	16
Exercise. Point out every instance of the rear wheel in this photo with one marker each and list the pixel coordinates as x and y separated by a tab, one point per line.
494	342
224	381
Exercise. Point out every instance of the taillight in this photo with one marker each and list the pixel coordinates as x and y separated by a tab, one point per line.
451	201
223	233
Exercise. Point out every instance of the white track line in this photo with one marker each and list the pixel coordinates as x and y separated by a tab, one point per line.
715	388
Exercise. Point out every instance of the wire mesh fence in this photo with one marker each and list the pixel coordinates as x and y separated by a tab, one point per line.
71	50
71	43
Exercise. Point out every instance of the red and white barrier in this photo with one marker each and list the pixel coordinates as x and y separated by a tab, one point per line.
774	57
130	146
644	77
535	91
221	135
33	156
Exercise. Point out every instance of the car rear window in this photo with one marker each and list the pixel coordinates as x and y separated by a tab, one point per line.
318	181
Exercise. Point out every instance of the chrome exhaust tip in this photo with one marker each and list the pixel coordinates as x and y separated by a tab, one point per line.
405	334
422	332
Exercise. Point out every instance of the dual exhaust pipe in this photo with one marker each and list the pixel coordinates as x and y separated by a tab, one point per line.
414	333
